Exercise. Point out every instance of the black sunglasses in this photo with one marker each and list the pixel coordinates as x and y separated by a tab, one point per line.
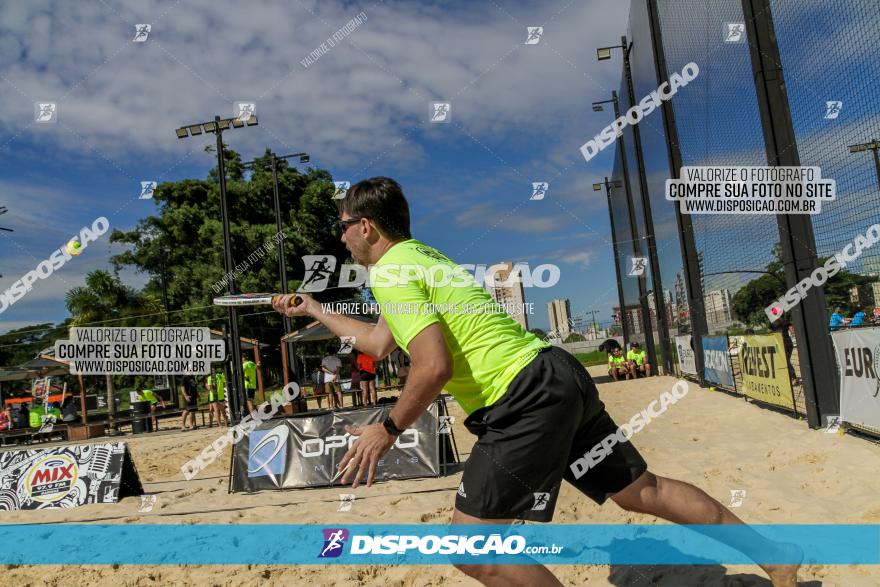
344	224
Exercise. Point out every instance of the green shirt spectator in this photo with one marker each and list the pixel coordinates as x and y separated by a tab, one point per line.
147	395
217	384
250	374
637	357
36	416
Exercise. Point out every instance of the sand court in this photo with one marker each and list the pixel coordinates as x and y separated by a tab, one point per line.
781	471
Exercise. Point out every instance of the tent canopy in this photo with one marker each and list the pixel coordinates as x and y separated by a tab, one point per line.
317	331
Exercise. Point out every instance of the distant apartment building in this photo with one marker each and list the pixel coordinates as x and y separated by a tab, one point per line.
508	290
717	304
560	316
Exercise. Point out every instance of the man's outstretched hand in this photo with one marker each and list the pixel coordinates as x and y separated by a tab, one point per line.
282	304
363	456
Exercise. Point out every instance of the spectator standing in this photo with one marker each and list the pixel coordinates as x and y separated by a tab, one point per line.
355	379
250	382
147	395
190	392
400	362
216	386
331	366
837	319
367	367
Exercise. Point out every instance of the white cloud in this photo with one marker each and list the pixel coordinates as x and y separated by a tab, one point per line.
359	99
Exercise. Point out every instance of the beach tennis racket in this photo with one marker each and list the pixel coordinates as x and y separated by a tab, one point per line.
253	299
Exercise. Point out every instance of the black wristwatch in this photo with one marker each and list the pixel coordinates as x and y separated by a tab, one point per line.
391	427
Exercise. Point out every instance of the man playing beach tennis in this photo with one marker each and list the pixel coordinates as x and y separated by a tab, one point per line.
534	407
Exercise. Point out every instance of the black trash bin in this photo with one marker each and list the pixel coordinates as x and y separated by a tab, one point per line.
140	418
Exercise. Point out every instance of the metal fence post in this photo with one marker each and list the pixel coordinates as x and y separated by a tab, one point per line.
795	231
692	278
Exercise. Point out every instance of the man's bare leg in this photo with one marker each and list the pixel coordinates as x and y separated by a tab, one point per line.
684	503
504	575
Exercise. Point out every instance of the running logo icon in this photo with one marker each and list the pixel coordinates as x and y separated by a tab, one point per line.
638	266
45	112
347	345
345	501
445	423
832	425
334	540
539	190
243	111
319	268
141	32
441	111
147	189
534	35
541	501
737	497
735	31
147	503
341	189
832	109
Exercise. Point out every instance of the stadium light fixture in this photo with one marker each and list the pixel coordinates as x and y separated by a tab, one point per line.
604	53
217	126
872	146
282	265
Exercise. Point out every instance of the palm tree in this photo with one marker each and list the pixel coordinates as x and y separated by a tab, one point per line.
105	299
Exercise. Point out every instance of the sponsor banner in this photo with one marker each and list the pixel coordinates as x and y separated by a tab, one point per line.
764	368
384	544
686	361
305	451
66	477
716	361
858	359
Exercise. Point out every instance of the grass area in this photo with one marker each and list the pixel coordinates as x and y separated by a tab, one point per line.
592	358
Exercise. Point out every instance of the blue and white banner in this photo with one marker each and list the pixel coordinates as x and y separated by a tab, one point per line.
383	544
716	361
858	359
684	345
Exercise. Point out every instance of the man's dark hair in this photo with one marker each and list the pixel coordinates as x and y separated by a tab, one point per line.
381	200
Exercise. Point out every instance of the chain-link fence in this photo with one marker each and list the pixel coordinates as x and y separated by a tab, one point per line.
830	56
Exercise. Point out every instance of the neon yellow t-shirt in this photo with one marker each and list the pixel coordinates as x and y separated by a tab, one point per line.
217	384
488	347
637	357
250	374
147	395
615	361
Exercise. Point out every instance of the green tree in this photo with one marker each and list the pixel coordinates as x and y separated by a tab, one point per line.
749	302
106	300
574	337
184	240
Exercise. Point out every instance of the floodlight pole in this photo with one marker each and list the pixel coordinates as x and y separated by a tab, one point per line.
236	397
621	300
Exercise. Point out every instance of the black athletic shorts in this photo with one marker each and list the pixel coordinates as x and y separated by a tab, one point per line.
550	416
367	376
192	406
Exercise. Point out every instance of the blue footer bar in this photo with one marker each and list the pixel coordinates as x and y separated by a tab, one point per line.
161	544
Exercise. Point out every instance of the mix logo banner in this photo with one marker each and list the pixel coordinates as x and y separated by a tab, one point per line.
686	358
858	358
306	451
764	367
66	477
716	361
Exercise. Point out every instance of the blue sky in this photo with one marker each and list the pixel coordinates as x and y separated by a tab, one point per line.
519	114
